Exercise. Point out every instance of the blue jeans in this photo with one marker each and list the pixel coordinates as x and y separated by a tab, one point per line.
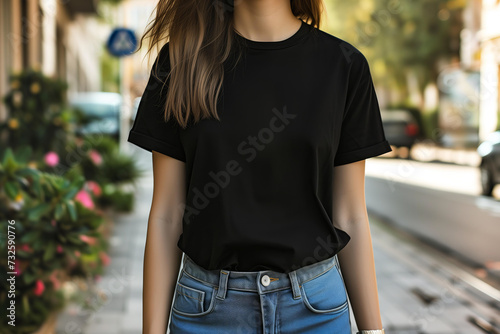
311	299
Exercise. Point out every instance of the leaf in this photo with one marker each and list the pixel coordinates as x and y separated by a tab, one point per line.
38	211
75	239
79	182
9	162
38	244
37	189
35	174
56	182
29	277
29	237
59	212
61	182
23	154
11	189
8	155
71	194
26	305
62	237
49	251
72	210
65	185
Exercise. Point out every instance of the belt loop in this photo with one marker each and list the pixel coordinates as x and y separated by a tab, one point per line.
223	276
295	284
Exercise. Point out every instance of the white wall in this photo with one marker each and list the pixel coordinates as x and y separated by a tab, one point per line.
490	62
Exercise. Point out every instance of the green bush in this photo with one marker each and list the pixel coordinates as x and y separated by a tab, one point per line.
53	187
57	233
38	116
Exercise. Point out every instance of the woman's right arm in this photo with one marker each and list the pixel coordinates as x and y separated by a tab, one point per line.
162	257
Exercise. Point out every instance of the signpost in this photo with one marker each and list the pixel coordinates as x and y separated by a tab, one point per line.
122	42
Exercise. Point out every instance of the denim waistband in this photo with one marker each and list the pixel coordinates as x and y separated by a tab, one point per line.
262	281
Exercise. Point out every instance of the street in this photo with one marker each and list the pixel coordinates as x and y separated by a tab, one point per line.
439	202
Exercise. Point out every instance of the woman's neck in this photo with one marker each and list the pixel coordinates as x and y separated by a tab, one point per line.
265	20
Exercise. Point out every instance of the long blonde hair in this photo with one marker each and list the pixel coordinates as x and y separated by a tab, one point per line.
200	35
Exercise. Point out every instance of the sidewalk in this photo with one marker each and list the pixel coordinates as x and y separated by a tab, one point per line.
417	292
438	176
412	298
122	283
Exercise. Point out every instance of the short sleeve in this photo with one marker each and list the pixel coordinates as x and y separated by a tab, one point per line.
362	135
150	131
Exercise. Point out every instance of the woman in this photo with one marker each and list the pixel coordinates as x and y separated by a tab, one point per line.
259	124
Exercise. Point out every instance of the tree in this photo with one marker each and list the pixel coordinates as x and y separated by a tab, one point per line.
402	38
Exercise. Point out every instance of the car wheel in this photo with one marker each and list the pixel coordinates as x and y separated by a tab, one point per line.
486	181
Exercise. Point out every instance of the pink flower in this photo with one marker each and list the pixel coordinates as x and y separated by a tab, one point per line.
90	240
94	188
77	253
59	249
84	198
95	157
104	258
17	267
97	278
39	288
26	248
51	159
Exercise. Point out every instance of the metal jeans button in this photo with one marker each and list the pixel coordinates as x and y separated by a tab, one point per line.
265	280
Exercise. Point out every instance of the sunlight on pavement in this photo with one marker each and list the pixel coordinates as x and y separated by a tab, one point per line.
448	177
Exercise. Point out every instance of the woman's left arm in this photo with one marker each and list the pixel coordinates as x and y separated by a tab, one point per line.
356	258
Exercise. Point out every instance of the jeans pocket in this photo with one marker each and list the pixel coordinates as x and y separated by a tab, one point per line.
325	293
193	298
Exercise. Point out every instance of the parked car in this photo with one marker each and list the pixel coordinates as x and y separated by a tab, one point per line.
489	150
101	110
400	127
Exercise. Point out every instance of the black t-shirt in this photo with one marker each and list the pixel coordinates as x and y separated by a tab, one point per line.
259	181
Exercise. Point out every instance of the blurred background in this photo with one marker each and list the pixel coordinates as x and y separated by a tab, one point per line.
75	196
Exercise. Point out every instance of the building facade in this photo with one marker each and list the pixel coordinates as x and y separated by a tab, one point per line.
489	36
60	38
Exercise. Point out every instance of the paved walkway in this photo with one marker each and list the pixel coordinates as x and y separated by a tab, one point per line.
414	297
439	176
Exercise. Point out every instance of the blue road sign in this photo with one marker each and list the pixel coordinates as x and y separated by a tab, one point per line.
122	42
